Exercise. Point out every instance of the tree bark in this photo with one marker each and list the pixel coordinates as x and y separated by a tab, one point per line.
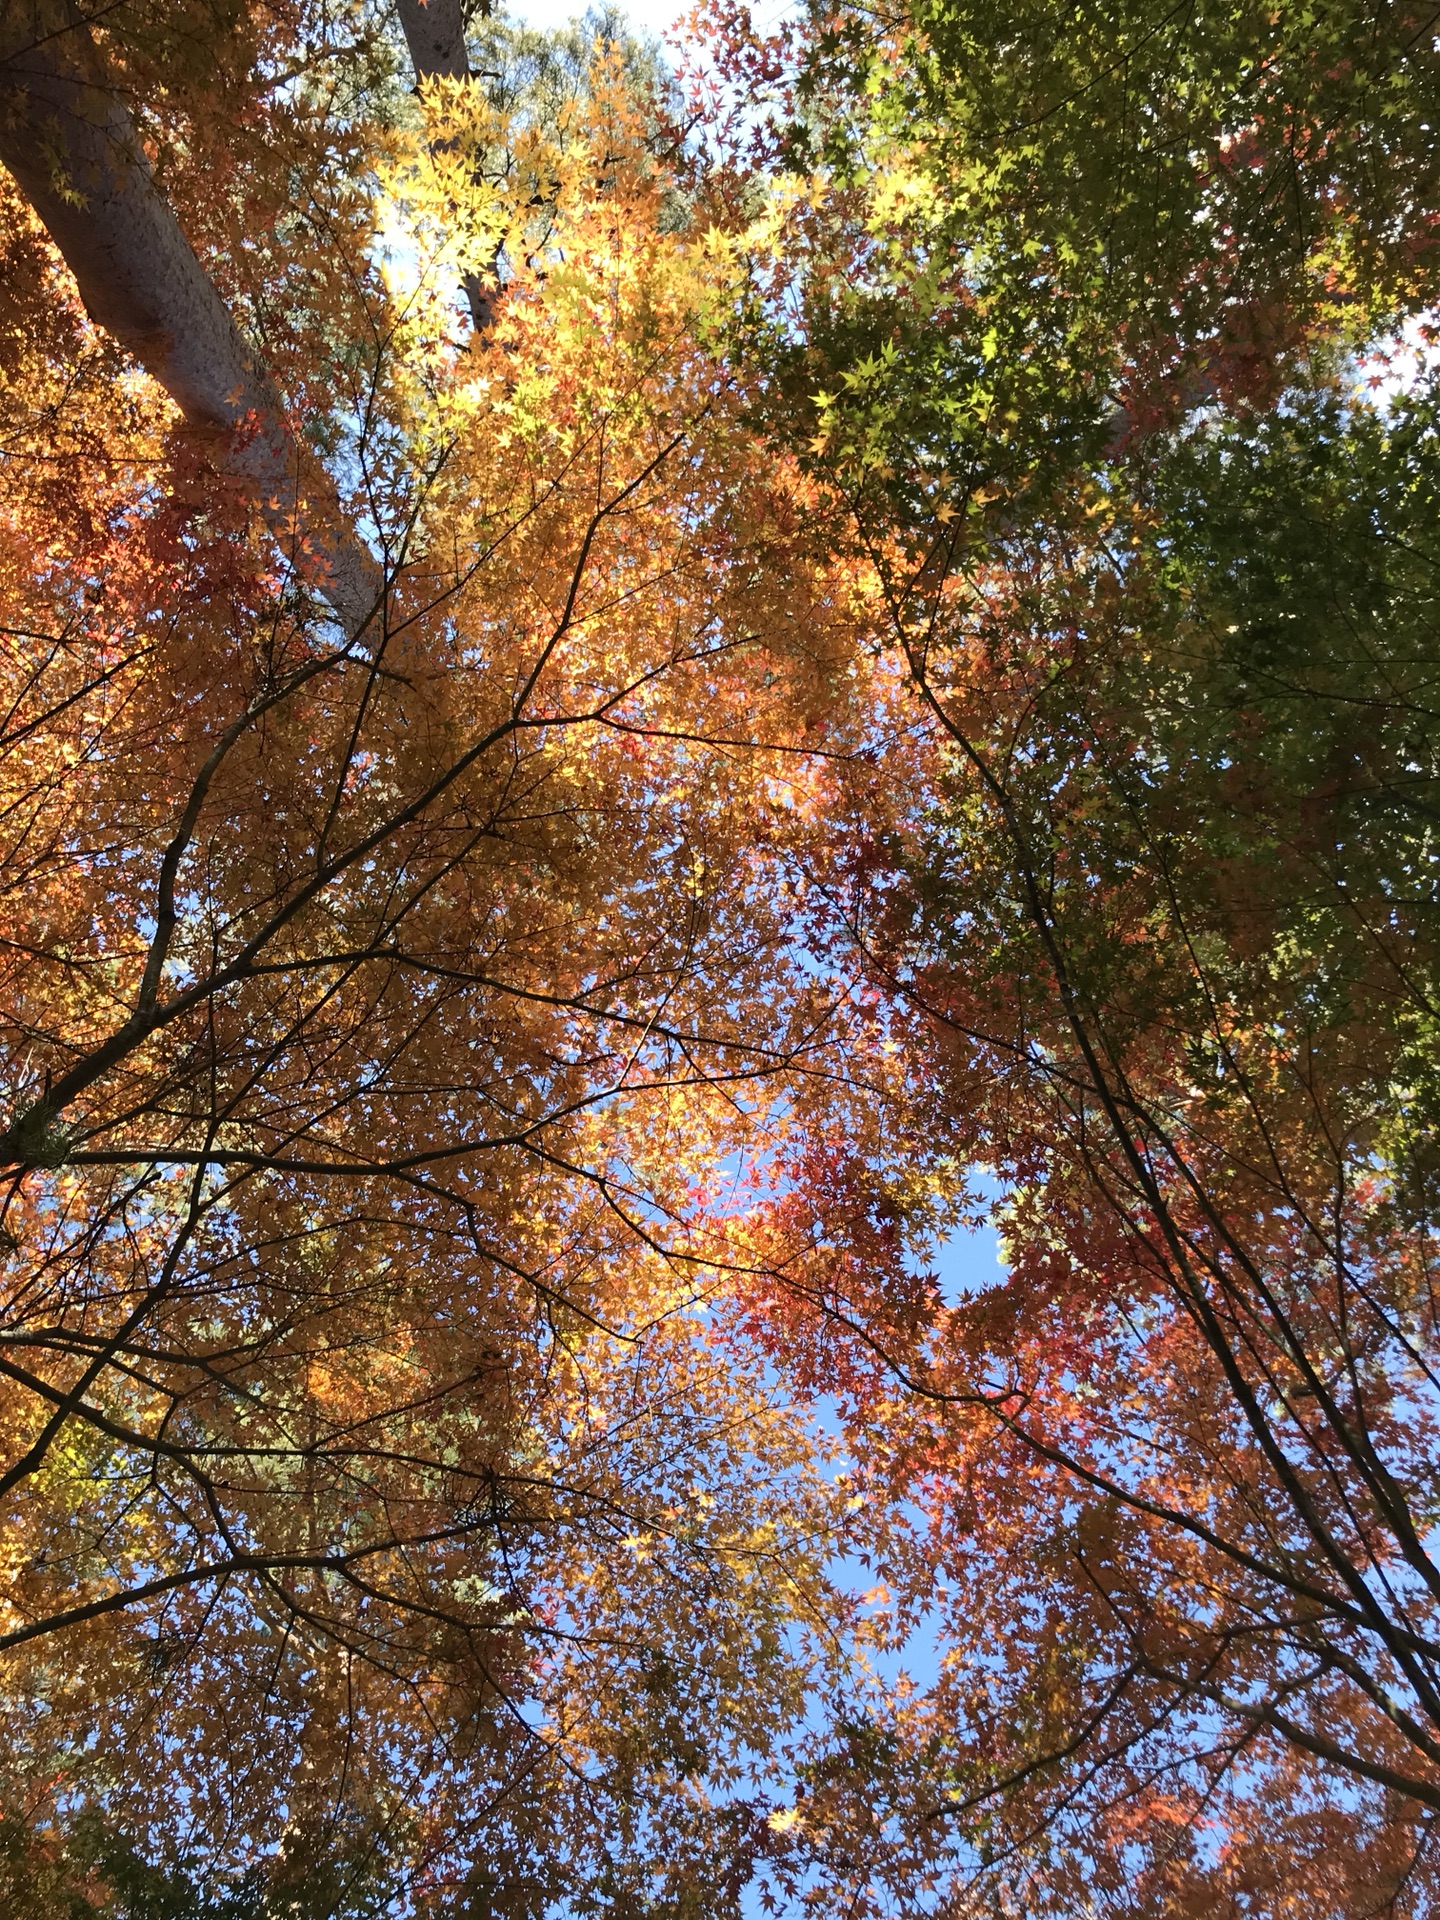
435	34
74	151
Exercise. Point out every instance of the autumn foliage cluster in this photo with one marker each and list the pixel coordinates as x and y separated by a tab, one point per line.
638	690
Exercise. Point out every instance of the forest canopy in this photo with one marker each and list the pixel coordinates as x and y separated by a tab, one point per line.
646	690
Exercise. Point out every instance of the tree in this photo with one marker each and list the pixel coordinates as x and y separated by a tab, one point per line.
1153	909
399	937
78	156
528	903
1172	924
1014	248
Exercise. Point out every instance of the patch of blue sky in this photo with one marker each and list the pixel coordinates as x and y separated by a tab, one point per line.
972	1258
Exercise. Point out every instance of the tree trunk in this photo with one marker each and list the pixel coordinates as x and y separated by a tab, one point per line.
435	35
74	151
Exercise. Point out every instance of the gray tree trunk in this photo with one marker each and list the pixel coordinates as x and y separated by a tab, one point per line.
73	149
435	34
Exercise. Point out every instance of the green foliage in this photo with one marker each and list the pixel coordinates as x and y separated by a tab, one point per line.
1031	238
1302	552
86	1870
